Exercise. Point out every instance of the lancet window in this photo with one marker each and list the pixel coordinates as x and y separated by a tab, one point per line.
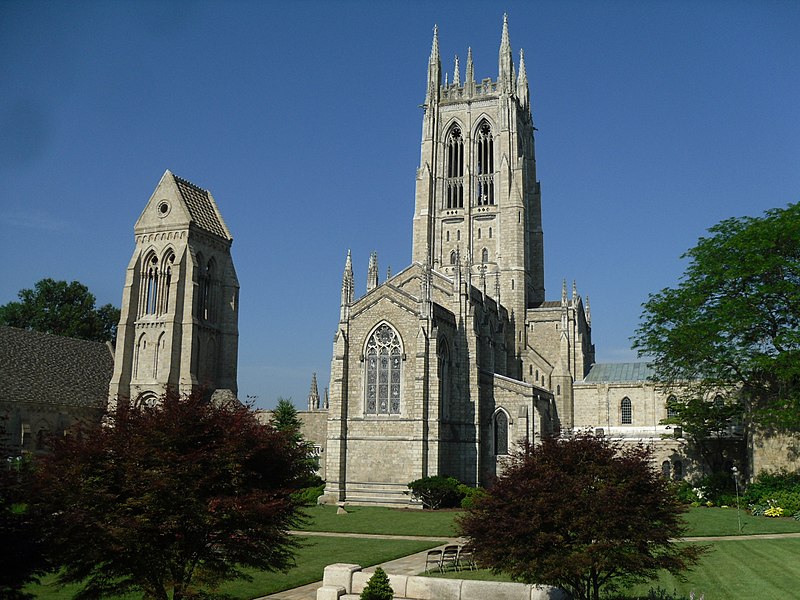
454	182
485	164
150	274
672	412
626	411
500	433
205	300
444	378
383	359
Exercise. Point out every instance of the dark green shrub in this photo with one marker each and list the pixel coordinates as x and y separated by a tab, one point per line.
788	501
309	495
436	492
470	495
767	484
717	486
378	587
684	492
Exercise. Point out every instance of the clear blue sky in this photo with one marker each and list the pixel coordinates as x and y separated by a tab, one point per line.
656	120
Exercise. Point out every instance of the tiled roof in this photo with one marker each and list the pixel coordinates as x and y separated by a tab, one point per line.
201	207
618	372
44	368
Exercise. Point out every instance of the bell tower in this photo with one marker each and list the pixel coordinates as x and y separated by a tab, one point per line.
476	192
178	324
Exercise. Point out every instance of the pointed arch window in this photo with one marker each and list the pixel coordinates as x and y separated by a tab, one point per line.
485	164
672	411
454	182
383	360
500	426
666	467
626	411
205	300
444	378
149	287
166	275
485	255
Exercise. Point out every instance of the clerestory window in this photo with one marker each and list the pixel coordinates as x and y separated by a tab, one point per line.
454	182
485	165
383	360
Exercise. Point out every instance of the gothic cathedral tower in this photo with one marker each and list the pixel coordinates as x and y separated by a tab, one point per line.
179	320
477	198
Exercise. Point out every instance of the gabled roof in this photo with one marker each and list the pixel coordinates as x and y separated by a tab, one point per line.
618	372
201	207
51	369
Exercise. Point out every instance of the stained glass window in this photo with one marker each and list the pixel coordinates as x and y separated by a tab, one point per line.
383	359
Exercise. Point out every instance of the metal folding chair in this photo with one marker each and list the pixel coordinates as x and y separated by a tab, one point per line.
434	557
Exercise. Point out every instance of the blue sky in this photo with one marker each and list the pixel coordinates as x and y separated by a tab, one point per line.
656	120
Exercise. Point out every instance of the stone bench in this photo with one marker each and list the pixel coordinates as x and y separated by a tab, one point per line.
343	581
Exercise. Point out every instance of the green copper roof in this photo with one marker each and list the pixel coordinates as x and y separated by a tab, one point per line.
616	372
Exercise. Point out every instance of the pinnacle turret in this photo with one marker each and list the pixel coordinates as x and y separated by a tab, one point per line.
506	70
372	272
347	288
522	81
313	394
456	75
434	70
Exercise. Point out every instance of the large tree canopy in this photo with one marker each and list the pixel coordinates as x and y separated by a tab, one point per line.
62	308
733	321
168	499
579	513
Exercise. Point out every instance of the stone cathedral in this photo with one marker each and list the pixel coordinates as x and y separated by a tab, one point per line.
440	368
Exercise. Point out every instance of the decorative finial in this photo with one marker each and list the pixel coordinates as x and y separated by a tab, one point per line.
470	74
588	312
564	292
456	75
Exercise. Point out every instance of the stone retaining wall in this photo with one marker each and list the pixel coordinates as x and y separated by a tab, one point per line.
343	581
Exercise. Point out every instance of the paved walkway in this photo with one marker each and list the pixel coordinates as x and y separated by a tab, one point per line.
414	564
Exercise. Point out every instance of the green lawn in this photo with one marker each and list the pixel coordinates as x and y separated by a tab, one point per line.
731	570
317	553
373	519
722	521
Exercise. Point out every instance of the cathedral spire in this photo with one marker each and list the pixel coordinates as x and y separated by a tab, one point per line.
434	70
456	75
506	71
522	81
347	288
313	394
372	272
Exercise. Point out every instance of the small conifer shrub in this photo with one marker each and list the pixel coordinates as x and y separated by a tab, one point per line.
378	587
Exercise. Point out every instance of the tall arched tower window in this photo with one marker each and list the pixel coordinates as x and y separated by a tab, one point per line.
149	285
166	276
455	169
626	411
205	301
444	379
383	359
500	432
485	164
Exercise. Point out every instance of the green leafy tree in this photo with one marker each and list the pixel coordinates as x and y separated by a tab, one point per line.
61	308
732	326
378	587
436	491
170	500
580	514
285	418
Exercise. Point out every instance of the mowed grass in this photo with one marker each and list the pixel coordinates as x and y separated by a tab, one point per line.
731	570
316	554
386	521
722	521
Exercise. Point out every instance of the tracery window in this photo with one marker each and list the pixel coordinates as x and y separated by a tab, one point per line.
454	181
383	359
500	433
626	411
485	164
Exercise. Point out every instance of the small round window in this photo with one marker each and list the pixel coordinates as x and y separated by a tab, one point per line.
163	208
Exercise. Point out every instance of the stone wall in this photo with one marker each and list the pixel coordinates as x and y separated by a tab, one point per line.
347	581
